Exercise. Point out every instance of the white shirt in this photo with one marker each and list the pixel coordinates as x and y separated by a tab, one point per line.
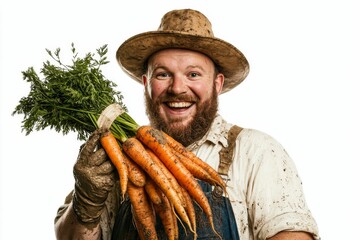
264	187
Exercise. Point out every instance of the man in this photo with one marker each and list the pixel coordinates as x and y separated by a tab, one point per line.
184	69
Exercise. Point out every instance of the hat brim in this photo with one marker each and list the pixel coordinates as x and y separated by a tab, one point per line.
135	51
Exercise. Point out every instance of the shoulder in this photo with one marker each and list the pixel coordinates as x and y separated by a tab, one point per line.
220	129
252	138
257	148
255	136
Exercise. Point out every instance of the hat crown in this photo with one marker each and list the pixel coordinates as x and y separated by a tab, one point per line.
186	21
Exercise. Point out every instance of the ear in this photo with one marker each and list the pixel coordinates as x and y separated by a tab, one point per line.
146	84
219	82
144	79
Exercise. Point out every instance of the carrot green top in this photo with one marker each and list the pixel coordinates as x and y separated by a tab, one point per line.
70	97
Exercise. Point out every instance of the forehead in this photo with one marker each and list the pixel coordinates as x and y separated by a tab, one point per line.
171	53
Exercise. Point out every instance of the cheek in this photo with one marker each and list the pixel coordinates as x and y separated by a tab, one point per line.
203	90
156	89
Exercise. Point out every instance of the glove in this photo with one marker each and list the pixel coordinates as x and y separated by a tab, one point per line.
94	177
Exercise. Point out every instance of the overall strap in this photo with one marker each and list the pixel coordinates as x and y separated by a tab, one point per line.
227	153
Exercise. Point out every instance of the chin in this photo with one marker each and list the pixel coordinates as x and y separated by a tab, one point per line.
179	123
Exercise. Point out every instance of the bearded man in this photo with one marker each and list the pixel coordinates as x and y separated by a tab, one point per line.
184	68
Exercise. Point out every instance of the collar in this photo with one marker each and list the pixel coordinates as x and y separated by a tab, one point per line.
216	134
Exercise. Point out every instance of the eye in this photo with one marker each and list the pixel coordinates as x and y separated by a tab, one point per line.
162	75
194	75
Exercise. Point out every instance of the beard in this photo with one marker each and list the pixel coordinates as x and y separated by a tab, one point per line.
191	132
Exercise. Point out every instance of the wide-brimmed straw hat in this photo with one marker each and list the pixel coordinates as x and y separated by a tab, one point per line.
185	29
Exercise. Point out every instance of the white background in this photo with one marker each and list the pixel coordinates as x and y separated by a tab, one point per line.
303	89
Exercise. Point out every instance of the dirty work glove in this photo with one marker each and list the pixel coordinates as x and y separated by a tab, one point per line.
94	177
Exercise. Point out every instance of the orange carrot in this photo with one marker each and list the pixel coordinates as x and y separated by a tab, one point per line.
197	171
136	151
175	185
156	141
135	173
113	150
189	154
176	228
138	226
152	191
168	219
143	212
190	210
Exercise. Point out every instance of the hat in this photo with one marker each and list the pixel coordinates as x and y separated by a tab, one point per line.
185	29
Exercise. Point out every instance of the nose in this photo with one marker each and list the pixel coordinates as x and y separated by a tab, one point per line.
178	85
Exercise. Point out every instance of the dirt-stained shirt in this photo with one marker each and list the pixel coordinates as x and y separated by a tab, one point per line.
263	185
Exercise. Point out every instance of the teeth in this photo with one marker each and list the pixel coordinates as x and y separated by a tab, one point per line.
179	104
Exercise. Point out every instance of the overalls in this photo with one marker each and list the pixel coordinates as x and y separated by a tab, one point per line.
224	219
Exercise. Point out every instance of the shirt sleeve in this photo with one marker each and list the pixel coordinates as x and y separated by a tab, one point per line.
274	194
108	216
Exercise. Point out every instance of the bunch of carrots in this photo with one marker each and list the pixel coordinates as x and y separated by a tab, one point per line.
158	174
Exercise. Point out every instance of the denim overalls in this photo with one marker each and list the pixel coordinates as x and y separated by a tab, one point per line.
224	219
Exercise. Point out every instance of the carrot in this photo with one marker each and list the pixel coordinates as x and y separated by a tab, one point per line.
190	210
176	228
143	212
195	169
113	150
175	185
189	154
138	226
135	173
167	217
155	140
152	191
136	151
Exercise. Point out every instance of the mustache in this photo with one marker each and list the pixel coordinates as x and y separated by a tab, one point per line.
178	98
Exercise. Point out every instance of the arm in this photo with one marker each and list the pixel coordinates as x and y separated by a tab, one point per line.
94	178
292	235
275	197
69	227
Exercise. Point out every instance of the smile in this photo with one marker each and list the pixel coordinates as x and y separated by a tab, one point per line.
179	104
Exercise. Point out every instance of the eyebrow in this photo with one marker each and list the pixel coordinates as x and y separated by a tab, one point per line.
155	67
195	66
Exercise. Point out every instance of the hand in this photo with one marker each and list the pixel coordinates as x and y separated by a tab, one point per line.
94	177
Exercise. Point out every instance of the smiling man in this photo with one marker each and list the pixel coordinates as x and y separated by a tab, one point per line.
184	68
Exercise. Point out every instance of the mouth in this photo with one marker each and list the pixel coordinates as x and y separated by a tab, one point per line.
178	108
179	105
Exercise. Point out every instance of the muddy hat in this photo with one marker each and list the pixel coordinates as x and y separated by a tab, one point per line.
186	29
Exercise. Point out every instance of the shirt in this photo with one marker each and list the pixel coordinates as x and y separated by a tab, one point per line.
263	185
